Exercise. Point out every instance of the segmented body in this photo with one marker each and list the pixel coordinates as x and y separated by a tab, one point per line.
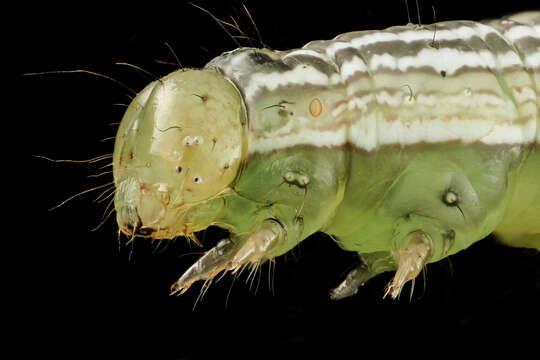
456	87
405	145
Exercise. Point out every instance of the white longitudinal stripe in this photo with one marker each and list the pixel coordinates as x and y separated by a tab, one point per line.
351	67
397	99
448	60
372	131
285	137
520	31
434	131
462	33
533	60
360	102
299	75
311	53
407	35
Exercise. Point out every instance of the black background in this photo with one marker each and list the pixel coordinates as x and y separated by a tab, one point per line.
83	293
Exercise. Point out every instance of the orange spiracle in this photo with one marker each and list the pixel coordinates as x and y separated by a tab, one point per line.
315	107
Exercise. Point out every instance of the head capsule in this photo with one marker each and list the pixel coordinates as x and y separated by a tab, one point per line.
178	149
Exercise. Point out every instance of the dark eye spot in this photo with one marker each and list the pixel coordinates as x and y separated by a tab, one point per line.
179	169
197	180
197	140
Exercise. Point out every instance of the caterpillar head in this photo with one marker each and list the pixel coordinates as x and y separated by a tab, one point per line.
178	150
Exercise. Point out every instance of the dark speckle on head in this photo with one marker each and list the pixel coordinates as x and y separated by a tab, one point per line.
203	98
126	156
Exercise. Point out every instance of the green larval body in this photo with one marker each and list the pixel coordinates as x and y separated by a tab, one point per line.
404	145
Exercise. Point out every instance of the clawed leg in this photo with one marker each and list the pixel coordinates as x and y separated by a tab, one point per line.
232	255
413	256
208	266
258	245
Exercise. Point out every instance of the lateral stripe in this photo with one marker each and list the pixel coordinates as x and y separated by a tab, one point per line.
450	81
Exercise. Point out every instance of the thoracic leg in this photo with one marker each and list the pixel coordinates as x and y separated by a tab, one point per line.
233	253
267	236
208	266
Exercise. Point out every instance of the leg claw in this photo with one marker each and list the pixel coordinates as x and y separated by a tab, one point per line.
207	267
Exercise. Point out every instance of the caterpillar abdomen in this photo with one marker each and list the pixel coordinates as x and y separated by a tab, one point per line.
405	145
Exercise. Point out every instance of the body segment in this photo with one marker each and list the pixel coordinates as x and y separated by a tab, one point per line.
405	145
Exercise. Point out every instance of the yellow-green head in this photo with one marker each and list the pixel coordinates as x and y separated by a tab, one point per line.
179	146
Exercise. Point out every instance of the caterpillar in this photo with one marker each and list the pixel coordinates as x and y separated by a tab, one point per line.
405	145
